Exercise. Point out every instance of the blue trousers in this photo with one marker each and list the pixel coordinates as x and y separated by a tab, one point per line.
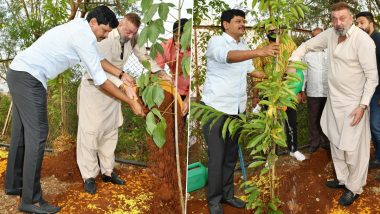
375	123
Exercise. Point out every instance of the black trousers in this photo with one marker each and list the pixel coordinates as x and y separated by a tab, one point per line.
291	129
28	137
222	158
315	106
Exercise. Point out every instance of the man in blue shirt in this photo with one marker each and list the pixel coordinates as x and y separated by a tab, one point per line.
365	21
57	50
228	61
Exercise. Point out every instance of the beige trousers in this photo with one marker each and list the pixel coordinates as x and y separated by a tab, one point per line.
90	146
352	167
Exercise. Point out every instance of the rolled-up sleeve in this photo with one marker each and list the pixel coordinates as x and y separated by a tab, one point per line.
86	50
216	50
318	43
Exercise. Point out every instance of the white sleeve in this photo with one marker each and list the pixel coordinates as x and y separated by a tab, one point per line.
216	50
85	47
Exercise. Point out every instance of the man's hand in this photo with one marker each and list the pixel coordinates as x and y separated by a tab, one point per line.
299	97
258	74
128	80
270	50
303	97
129	91
137	108
357	114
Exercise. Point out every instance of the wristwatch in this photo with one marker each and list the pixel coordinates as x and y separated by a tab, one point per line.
364	107
121	74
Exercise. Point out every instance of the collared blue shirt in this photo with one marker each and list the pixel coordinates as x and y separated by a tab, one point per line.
60	48
226	83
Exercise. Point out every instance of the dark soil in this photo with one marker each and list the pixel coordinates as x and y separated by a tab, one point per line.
302	189
147	190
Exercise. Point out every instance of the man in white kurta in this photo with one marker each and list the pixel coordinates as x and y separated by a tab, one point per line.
352	79
100	115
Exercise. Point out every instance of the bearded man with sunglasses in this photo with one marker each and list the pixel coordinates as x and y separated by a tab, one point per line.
99	114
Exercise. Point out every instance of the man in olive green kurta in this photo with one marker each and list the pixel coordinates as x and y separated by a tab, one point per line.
352	79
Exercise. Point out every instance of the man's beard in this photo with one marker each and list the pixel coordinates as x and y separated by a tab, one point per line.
124	40
366	30
342	32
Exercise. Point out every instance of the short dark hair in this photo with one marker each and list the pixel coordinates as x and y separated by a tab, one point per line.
103	15
133	18
181	23
227	15
367	15
340	6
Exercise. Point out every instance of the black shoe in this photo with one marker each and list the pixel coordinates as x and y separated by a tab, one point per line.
90	186
215	209
13	192
375	164
347	198
31	208
334	184
48	207
235	202
113	179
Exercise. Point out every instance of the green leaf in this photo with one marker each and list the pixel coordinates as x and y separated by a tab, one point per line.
186	35
149	97
294	11
300	11
158	95
146	4
163	11
256	164
159	134
157	113
272	206
256	140
231	126
161	29
150	123
153	32
215	120
140	81
264	171
146	78
155	49
186	65
143	37
146	65
149	15
254	2
207	117
198	114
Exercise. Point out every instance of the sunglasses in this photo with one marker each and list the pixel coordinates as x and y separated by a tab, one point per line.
122	51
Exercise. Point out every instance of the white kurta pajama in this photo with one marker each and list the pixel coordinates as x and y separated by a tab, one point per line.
352	79
99	114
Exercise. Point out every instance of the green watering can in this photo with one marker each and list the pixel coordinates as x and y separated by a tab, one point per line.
196	176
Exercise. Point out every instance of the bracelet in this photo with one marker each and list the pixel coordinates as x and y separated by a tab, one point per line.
121	74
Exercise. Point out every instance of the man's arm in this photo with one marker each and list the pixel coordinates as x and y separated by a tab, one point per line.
318	43
110	88
240	55
108	67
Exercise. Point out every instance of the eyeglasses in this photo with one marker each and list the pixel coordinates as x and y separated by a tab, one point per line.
122	51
